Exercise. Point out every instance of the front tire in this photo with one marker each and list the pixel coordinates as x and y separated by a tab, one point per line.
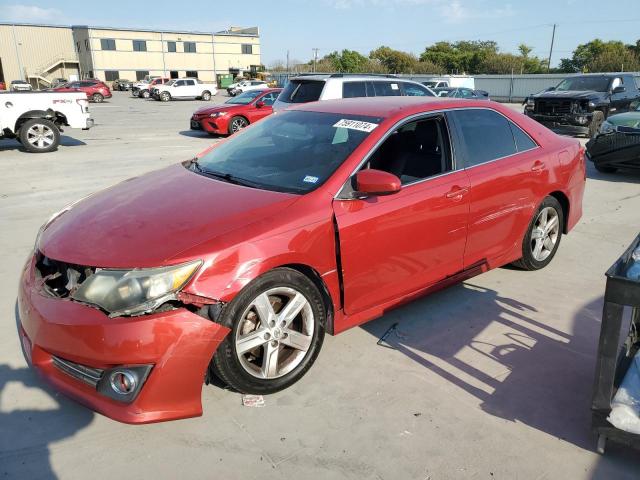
97	98
165	96
146	94
596	123
543	236
277	328
39	135
236	124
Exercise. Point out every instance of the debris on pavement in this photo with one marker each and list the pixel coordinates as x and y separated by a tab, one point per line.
253	400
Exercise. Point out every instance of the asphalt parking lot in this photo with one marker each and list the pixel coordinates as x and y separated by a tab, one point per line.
488	379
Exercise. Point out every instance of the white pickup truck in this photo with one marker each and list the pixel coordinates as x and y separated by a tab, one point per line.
184	88
36	119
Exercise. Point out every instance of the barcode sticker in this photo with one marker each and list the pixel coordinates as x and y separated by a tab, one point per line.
356	125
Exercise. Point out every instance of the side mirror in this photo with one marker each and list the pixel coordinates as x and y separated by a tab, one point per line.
259	104
619	89
377	182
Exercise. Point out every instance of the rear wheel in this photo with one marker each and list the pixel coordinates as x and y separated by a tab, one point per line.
236	124
277	328
206	96
97	97
543	237
39	135
596	123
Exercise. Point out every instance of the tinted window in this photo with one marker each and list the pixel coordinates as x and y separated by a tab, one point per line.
415	151
190	47
595	83
111	75
190	82
269	98
191	74
247	48
107	44
179	83
171	46
292	151
486	135
413	90
386	89
140	74
523	141
301	91
139	45
354	89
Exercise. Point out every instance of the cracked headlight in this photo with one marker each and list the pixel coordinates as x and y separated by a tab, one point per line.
128	292
607	127
530	102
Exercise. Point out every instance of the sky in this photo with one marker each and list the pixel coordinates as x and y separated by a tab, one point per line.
362	25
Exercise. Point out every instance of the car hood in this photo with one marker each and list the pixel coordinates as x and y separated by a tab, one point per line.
149	220
570	94
225	107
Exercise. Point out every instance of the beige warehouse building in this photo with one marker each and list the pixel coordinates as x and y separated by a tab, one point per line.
40	53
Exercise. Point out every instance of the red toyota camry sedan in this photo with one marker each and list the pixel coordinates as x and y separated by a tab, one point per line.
236	113
314	220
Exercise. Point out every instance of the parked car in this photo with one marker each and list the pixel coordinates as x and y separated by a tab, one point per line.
143	89
460	92
20	86
313	220
236	113
36	119
184	88
583	102
617	144
454	81
122	85
247	86
310	88
95	90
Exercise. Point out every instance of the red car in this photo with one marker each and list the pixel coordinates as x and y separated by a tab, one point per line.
96	90
313	220
236	113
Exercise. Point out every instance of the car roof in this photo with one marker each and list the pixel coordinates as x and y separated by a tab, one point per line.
387	107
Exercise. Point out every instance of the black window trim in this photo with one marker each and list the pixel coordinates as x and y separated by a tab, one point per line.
346	187
459	139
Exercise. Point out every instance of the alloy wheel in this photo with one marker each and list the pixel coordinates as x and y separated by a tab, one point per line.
238	124
40	136
275	333
545	234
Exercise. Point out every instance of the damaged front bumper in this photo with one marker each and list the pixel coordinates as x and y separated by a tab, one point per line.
572	121
618	149
75	347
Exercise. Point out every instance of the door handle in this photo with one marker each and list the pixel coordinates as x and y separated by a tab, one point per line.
457	192
538	167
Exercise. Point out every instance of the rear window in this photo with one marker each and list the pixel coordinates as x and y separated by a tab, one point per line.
301	91
414	90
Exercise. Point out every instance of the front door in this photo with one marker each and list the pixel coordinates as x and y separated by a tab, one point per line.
394	245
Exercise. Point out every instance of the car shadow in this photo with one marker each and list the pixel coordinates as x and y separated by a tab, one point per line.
519	368
620	176
26	433
199	134
13	144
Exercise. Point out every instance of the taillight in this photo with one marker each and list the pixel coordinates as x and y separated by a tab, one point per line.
84	104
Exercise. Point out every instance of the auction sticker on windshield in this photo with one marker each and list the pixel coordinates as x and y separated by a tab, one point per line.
356	125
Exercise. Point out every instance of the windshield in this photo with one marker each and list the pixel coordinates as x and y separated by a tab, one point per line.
245	98
301	91
289	152
596	84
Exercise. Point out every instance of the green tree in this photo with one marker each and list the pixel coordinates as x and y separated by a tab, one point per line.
460	57
347	61
524	50
600	56
395	61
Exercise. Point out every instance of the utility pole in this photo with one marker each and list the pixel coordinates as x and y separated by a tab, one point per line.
315	59
287	61
553	36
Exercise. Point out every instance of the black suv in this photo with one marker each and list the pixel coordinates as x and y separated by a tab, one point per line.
584	101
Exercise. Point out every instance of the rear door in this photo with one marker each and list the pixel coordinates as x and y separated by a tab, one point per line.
392	246
505	170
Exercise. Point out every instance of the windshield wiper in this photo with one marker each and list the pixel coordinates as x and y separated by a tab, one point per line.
227	177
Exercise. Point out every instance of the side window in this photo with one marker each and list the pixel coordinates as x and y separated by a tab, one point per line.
415	151
485	135
412	90
386	89
354	89
179	83
191	83
617	82
269	99
523	141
